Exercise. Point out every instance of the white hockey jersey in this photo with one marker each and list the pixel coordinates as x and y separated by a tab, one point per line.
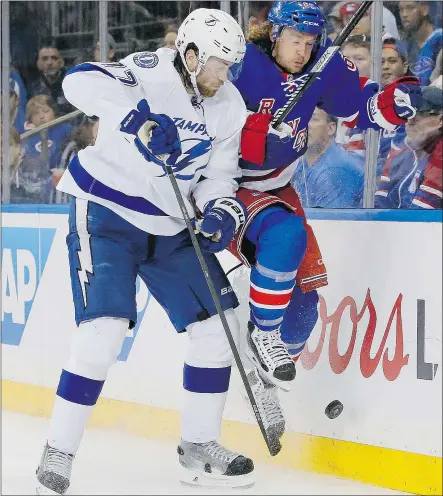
114	174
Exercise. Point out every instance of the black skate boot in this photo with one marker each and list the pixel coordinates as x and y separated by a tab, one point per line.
269	354
211	465
54	471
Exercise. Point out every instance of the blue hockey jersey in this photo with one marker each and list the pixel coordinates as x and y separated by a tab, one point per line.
422	60
266	89
336	180
57	137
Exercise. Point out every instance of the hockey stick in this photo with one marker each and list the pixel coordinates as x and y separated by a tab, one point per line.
233	268
322	62
274	447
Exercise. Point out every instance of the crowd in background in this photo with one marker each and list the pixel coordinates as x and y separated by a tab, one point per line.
409	162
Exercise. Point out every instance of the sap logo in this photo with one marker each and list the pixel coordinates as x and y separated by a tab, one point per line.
24	255
194	127
142	300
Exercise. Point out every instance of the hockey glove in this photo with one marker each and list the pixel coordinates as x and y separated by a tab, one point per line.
155	134
397	103
257	134
221	220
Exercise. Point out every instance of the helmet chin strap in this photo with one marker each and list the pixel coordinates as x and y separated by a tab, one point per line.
193	76
194	83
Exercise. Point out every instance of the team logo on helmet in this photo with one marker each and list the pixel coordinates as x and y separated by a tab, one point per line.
211	21
146	60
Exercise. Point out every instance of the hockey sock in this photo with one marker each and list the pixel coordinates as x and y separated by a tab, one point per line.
76	397
95	347
206	376
299	321
280	240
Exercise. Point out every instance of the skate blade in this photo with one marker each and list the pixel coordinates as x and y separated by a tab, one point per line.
268	377
41	490
196	478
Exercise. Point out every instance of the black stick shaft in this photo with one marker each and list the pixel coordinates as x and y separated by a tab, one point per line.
209	282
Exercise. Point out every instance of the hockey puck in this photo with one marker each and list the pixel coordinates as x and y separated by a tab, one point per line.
334	409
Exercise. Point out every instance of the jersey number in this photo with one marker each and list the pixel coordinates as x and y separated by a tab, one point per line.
129	80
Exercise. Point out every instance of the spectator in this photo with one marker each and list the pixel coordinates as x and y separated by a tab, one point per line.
51	73
112	46
17	87
357	48
412	177
335	22
41	110
394	64
14	100
169	39
258	13
394	61
82	136
15	151
327	176
424	43
436	75
348	9
30	176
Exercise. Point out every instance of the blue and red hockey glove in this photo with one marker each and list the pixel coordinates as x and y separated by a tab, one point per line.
257	134
398	102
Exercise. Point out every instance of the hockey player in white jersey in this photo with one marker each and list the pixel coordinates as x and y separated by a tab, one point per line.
125	221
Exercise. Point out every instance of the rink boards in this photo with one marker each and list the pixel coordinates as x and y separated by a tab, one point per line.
376	347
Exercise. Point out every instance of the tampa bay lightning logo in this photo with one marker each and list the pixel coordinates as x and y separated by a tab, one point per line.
147	60
38	146
211	21
195	148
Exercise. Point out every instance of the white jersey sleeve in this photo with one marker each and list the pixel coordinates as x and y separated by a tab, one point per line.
105	90
219	177
113	173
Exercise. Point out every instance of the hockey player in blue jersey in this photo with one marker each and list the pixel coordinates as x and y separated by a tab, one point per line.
276	242
125	221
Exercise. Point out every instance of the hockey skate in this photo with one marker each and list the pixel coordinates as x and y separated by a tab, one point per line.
266	397
211	465
54	471
268	353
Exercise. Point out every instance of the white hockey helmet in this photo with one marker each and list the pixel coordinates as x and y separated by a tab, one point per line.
215	33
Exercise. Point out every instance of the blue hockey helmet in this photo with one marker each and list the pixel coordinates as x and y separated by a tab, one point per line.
305	17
